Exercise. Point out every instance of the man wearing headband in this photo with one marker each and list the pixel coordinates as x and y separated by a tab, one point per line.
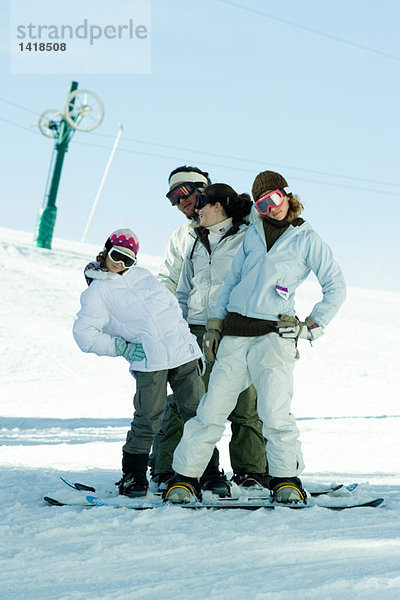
247	446
185	183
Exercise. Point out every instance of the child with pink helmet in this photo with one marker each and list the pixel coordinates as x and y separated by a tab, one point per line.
126	312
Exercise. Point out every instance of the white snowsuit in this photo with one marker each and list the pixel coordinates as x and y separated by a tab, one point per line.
179	244
207	274
204	274
136	307
261	285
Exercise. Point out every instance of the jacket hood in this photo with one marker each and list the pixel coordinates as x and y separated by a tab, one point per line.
94	271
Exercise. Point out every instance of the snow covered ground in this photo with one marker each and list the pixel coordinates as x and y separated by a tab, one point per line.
66	413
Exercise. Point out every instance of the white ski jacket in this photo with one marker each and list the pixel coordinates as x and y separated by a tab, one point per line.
136	307
262	284
203	276
180	243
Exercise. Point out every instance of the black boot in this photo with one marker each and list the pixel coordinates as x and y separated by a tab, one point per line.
214	480
134	481
162	480
251	480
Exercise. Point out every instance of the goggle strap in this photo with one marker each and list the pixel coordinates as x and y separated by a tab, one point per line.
120	249
285	189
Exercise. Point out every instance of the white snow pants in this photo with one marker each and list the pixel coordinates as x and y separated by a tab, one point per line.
267	361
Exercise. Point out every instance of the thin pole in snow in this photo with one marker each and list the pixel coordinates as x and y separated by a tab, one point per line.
103	180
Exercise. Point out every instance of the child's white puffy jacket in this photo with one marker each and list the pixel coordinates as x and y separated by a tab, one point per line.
136	307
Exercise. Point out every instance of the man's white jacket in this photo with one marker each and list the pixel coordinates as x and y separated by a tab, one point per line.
136	307
178	246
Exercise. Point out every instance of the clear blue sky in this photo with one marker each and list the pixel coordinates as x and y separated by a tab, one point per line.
312	93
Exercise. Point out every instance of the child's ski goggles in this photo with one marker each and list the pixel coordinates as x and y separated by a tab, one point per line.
182	190
119	256
271	200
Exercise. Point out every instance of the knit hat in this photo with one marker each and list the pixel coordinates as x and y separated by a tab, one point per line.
123	238
266	182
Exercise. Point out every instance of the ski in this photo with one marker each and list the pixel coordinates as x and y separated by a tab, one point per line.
230	505
78	486
54	502
314	493
223	503
334	488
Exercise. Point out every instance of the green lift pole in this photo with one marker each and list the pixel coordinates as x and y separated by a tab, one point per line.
47	215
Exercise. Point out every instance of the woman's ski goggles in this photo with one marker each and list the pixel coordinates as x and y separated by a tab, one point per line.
119	256
271	200
201	201
182	190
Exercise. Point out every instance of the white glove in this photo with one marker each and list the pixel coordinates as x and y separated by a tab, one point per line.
293	328
311	330
289	327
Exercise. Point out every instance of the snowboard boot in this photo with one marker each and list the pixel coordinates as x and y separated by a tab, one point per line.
163	480
287	490
255	481
182	489
213	480
134	480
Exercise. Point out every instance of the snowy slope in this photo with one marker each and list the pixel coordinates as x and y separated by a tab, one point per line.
64	412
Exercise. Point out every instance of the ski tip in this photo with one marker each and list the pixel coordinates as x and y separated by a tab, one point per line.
351	487
92	498
366	504
325	491
52	501
82	487
78	486
377	502
96	501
